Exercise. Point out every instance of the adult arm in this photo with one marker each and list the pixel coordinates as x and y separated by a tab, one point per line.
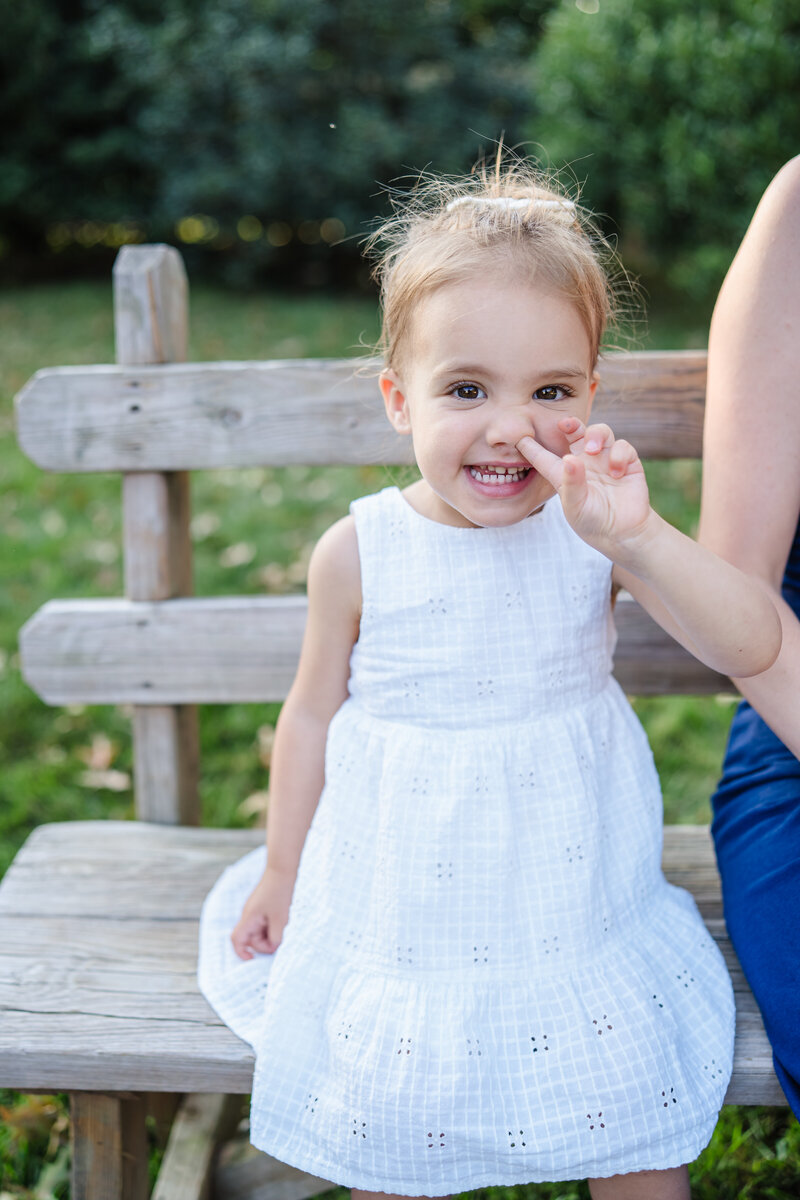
297	773
751	455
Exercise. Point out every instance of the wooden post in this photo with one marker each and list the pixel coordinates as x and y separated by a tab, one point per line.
151	323
109	1146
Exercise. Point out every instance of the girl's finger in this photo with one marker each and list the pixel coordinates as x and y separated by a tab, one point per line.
573	488
621	456
572	428
547	464
598	437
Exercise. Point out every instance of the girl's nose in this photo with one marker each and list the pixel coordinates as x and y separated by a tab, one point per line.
508	424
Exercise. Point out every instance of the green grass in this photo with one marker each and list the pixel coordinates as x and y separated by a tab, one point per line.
252	530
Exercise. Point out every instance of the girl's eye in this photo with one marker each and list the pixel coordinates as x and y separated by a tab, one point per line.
553	391
468	391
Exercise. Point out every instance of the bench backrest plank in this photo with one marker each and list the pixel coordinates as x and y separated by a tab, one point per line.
314	412
239	649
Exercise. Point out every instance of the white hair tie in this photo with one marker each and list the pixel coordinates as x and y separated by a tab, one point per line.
511	202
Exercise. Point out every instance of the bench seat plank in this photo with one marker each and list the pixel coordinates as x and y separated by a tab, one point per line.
101	993
245	648
189	416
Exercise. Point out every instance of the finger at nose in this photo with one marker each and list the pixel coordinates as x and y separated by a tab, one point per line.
508	427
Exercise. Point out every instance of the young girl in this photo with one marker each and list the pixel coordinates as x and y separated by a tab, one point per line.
484	978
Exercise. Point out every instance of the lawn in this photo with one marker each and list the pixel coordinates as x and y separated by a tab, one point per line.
252	532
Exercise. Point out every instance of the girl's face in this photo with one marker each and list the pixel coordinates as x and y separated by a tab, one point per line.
488	361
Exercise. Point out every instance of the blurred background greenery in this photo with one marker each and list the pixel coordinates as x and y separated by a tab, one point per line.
256	135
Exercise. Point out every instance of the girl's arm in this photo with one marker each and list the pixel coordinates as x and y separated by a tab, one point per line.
751	456
298	759
717	612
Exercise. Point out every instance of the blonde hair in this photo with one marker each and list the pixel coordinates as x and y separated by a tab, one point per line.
445	229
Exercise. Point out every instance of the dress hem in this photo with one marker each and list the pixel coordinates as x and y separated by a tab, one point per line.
685	1153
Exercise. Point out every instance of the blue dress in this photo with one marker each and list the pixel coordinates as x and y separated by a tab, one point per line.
756	831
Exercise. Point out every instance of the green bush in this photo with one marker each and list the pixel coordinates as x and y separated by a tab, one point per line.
676	114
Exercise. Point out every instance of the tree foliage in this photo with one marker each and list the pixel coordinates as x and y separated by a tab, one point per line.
288	111
253	132
676	115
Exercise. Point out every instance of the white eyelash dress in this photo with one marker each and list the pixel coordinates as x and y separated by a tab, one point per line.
485	978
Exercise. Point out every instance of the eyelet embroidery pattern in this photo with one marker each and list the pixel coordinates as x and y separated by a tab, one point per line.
419	787
667	1096
574	853
311	1101
432	1138
658	1002
474	1048
344	1031
411	690
485	687
685	978
712	1068
513	599
404	955
596	1121
600	1024
444	870
395	527
527	782
513	1145
405	1046
347	851
541	1046
353	938
436	605
342	765
550	945
479	953
358	1127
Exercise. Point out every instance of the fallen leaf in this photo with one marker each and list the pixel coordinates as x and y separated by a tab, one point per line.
255	805
100	754
113	781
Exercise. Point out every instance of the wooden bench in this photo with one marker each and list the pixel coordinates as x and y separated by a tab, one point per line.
98	920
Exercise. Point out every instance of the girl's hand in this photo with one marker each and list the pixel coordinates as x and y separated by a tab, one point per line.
260	927
600	482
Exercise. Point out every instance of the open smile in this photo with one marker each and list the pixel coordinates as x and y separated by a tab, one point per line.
494	475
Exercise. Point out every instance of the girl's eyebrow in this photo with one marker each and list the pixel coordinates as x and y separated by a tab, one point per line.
458	368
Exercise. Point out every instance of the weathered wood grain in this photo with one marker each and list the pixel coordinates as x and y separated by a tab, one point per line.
98	936
151	305
308	411
245	648
151	318
186	1170
109	1147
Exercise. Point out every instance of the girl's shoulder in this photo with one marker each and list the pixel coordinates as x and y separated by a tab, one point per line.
334	569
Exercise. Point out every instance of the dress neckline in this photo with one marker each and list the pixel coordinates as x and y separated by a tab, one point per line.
429	522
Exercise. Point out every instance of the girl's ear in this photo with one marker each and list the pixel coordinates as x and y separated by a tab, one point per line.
395	402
